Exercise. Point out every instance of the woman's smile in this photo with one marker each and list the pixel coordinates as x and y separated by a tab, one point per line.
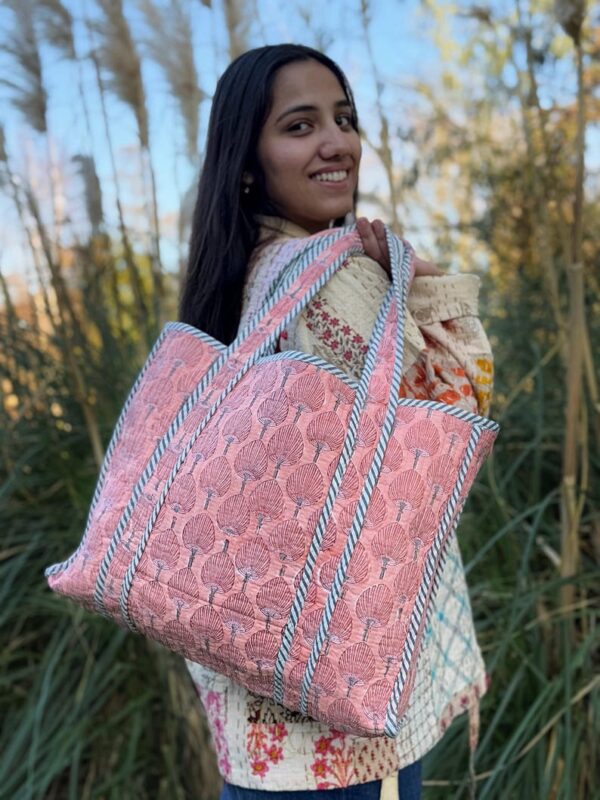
335	177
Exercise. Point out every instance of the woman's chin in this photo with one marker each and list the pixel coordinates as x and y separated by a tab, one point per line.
333	213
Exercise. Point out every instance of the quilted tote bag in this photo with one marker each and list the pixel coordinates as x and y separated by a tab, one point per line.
267	516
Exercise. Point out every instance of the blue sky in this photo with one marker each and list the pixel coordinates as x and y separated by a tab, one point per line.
405	37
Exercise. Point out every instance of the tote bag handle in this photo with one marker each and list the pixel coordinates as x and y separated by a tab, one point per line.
302	278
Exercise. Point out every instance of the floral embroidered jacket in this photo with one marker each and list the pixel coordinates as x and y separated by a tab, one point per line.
260	744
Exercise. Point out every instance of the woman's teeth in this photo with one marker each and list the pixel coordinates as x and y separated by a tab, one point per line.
334	177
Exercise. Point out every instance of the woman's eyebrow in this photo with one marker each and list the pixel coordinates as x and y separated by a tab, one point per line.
296	109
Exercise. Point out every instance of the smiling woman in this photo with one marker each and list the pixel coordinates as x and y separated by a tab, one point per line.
272	128
309	147
282	163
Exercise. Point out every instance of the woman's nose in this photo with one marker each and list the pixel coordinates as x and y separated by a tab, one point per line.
334	142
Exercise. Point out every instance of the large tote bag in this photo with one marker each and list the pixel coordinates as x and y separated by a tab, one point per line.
265	515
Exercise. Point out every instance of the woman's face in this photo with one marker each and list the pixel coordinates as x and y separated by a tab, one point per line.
308	149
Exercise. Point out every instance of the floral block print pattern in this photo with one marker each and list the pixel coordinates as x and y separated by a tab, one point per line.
202	534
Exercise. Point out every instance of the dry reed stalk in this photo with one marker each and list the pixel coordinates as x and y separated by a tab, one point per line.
571	505
71	334
35	325
92	190
65	305
170	46
383	149
550	179
237	23
30	95
542	225
28	91
117	55
158	294
57	26
12	181
99	253
573	328
141	312
537	181
590	373
99	247
9	309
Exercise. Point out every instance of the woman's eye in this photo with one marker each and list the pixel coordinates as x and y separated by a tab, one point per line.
344	120
299	126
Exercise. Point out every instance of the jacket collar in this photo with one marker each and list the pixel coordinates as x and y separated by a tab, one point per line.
279	228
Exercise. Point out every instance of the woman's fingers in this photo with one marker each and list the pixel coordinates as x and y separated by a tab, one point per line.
374	241
379	231
426	267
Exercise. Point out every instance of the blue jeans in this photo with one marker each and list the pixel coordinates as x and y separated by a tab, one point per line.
409	788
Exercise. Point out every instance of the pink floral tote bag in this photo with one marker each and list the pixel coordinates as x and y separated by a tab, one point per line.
267	516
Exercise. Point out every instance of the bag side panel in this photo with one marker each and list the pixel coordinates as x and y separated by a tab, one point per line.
176	368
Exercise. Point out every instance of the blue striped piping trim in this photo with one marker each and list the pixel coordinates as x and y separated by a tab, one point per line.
295	269
453	411
254	358
204	337
296	355
60	567
397	255
336	481
448	523
400	259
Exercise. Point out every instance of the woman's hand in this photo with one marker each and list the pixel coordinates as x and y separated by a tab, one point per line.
374	241
375	244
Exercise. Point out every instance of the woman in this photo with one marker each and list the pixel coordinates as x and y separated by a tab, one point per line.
282	161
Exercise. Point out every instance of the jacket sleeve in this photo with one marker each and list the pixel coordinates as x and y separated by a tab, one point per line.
455	363
447	353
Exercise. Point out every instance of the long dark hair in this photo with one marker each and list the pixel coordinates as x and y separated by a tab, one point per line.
224	229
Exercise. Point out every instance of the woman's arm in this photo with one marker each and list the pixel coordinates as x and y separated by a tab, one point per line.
455	363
